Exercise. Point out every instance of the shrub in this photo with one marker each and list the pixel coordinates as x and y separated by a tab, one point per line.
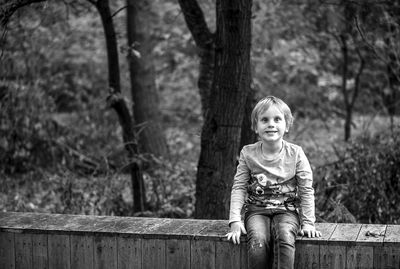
366	180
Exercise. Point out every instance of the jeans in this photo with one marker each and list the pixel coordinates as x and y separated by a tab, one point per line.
271	236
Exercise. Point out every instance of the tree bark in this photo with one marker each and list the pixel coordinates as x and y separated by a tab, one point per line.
116	101
205	42
142	76
220	139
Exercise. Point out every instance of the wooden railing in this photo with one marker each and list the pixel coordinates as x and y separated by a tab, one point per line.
37	241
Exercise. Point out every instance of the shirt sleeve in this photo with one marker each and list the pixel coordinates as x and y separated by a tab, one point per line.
239	189
305	190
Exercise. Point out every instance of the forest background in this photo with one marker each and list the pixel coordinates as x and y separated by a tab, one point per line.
62	148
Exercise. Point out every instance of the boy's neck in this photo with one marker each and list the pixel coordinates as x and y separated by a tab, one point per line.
269	149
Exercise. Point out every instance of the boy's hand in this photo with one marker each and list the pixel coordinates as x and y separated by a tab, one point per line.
310	233
237	228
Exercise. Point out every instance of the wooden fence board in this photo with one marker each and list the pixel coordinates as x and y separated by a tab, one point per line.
82	252
202	254
332	256
243	255
371	234
105	252
359	257
388	256
177	254
7	254
59	251
39	251
153	253
227	255
346	233
307	256
23	251
129	252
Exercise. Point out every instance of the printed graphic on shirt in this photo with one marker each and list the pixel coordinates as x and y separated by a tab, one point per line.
266	189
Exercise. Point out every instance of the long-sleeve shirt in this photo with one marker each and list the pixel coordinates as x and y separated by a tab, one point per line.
267	182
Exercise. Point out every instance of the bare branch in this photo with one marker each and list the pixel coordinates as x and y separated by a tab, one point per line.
8	8
196	23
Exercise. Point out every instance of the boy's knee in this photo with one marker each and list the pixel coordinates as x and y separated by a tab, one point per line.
286	237
257	240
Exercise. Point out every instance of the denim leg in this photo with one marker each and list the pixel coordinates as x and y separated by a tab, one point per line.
259	241
286	226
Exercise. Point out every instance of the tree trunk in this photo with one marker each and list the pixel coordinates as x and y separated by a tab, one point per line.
142	76
205	42
248	136
117	102
220	139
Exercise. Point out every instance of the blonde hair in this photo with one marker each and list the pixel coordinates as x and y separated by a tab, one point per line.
264	104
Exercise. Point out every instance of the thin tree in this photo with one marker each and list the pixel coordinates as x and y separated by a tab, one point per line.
115	98
142	75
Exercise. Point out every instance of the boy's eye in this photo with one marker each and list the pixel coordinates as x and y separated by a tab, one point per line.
277	119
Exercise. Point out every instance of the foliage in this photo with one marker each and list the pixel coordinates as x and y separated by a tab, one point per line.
61	149
365	180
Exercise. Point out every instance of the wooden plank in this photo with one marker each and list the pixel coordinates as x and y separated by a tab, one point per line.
39	251
7	254
371	235
388	256
306	256
105	252
153	253
202	254
59	251
359	257
243	255
346	233
214	230
129	252
23	251
392	235
82	252
177	253
227	255
332	256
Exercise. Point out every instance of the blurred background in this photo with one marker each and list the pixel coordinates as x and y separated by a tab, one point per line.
62	150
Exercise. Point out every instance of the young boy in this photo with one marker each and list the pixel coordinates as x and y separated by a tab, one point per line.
273	182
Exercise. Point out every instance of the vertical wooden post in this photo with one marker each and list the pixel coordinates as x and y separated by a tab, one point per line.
129	253
7	254
177	254
105	252
39	251
23	251
59	251
82	252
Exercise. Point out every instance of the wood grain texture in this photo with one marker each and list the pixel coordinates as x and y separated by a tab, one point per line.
7	254
177	254
39	251
33	240
129	252
82	252
227	255
202	254
105	251
59	251
23	251
153	253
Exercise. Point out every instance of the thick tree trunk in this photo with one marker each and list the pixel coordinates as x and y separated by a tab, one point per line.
117	102
220	140
142	75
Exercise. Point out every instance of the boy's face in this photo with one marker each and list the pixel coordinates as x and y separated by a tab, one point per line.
271	125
